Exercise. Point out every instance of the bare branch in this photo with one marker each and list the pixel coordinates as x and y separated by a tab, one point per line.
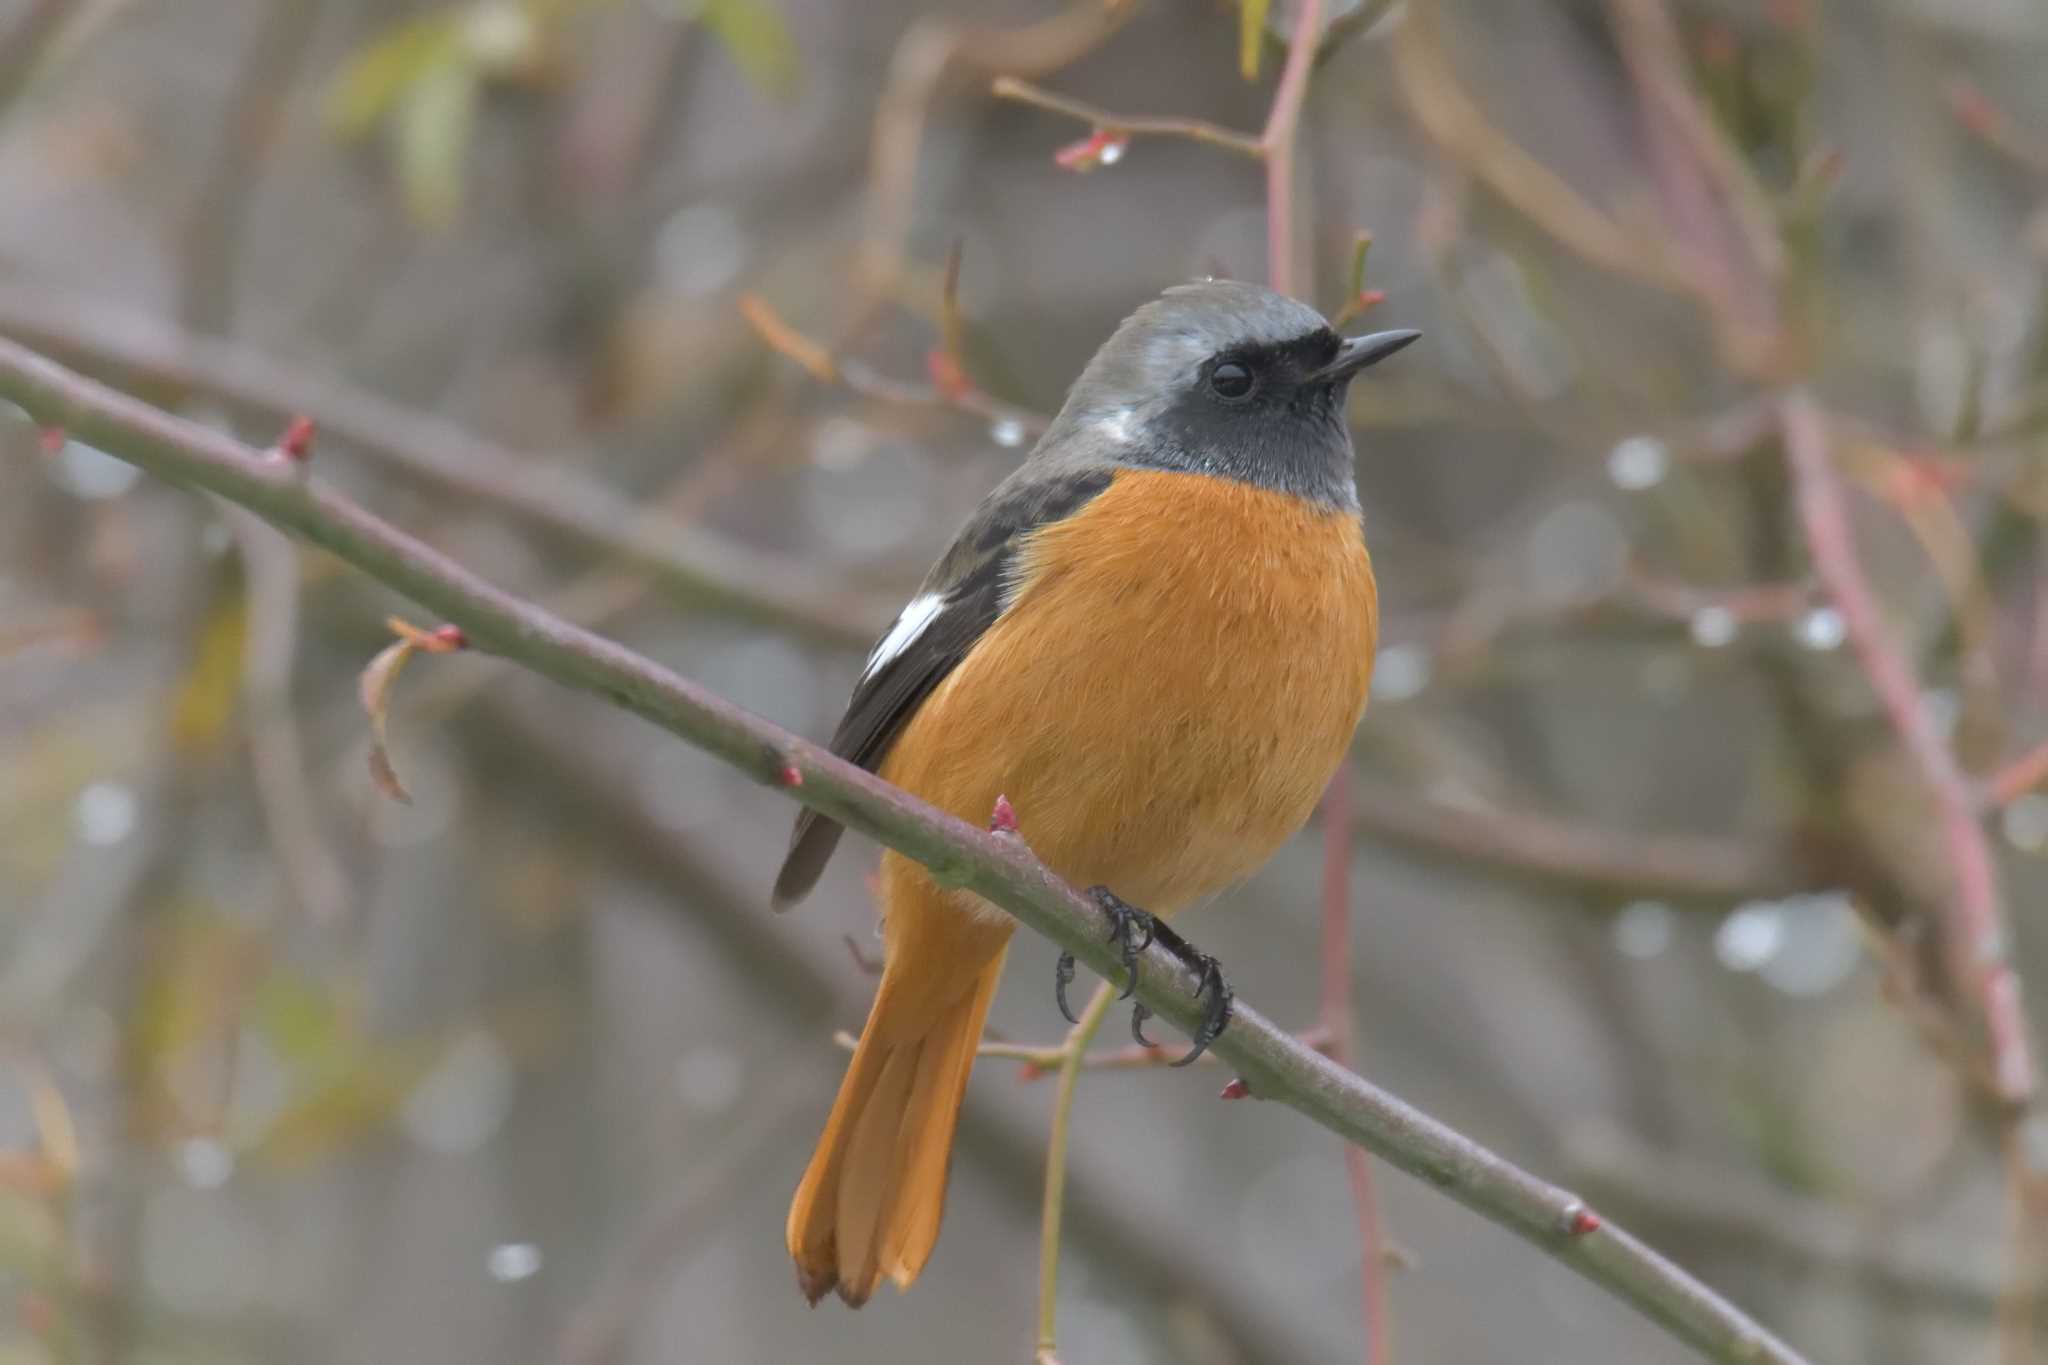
1131	125
696	564
2018	777
1976	930
1000	869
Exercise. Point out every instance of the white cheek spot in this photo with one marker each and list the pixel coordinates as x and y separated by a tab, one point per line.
1118	427
908	627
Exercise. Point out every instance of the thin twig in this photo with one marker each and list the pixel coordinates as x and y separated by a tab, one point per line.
1131	125
696	564
1071	1053
929	49
211	249
1976	933
1449	116
1530	843
1038	1060
2017	778
23	46
864	380
277	758
1337	1024
1000	870
1278	142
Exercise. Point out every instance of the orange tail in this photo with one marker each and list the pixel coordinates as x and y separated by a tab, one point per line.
870	1202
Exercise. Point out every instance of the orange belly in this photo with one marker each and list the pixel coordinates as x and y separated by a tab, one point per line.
1179	676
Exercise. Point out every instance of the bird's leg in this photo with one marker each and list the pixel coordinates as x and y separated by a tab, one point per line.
1133	931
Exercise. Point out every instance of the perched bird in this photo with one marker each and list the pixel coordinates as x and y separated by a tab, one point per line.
1155	638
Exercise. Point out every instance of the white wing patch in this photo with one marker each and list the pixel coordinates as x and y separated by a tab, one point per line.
911	624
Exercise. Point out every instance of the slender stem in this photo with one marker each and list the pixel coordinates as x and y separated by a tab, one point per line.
1213	134
1001	870
1339	1027
1976	917
1278	141
26	41
698	565
1071	1055
2018	777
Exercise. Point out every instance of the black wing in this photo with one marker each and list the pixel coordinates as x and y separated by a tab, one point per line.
961	598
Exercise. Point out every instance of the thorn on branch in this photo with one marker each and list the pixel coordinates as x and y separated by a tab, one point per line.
50	440
1103	147
296	444
789	775
948	375
1003	820
1237	1089
1580	1221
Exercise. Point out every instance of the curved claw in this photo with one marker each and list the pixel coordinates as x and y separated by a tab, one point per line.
1126	925
1139	1014
1062	977
1217	1017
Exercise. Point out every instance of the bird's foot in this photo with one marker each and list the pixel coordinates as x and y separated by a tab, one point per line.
1133	930
1130	928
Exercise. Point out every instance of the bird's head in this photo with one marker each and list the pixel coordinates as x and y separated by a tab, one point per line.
1224	378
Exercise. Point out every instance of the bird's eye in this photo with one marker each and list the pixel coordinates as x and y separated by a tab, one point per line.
1230	379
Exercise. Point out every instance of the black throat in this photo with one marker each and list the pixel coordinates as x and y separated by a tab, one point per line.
1289	436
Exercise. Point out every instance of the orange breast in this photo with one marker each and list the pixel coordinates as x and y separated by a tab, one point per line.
1178	677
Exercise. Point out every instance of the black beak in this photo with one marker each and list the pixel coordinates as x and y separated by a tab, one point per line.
1359	352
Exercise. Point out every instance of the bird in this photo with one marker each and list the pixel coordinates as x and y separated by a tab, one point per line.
1155	638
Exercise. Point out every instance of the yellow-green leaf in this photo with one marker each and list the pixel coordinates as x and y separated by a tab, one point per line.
375	689
212	688
1251	35
370	86
435	119
760	42
304	1022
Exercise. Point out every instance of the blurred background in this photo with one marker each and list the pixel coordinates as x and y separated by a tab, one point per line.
1647	894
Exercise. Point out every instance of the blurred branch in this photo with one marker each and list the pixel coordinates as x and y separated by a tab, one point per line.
1130	125
1624	861
270	75
930	49
1757	1216
2018	777
1976	932
1000	869
857	378
1711	200
23	46
599	1330
1995	128
698	565
1448	115
1335	1022
1278	139
277	759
